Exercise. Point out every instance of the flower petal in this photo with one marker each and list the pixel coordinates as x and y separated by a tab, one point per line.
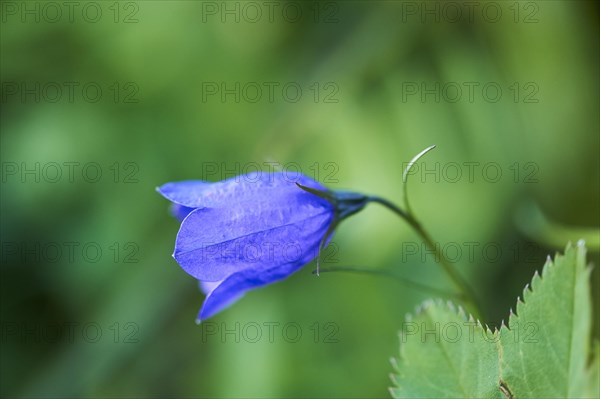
214	243
187	193
237	190
209	286
180	212
236	285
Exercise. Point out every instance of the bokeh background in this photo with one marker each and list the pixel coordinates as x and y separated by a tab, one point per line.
379	82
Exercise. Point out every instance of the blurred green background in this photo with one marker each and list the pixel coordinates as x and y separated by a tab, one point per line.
379	82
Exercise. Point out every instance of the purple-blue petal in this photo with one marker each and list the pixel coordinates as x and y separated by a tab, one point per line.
208	287
188	193
236	285
214	243
236	190
180	212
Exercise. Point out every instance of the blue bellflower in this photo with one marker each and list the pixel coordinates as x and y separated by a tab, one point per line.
251	230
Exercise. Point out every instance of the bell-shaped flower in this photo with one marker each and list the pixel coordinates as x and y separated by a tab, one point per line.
251	230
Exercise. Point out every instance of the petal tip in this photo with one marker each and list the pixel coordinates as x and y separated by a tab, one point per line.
159	189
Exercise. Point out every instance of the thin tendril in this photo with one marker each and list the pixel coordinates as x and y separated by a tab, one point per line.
405	175
409	217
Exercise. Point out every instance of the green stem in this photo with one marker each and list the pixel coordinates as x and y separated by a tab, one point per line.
456	278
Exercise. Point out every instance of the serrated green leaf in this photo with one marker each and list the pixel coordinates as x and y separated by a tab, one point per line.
545	347
445	354
541	354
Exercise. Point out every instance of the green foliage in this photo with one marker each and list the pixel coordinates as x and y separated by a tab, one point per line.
593	374
556	313
444	353
541	354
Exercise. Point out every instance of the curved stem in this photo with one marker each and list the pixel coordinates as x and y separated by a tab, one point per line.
456	278
406	173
